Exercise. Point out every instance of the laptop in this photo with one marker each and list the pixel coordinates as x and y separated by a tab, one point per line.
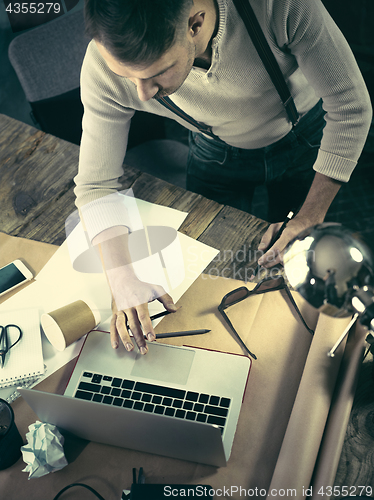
179	402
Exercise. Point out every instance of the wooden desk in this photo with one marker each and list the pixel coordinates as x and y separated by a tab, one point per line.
36	192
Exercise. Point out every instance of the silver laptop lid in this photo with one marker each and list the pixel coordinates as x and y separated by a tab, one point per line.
168	436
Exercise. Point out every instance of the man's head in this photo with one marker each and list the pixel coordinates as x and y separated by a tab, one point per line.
153	43
137	32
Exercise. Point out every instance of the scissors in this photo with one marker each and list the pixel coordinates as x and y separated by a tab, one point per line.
5	341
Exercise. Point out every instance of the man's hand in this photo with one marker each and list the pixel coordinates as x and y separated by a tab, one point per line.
274	254
130	296
313	211
132	313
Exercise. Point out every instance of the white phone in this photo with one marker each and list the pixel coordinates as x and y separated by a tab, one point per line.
13	275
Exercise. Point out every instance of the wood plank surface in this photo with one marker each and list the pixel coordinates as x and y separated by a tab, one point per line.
36	194
239	234
36	170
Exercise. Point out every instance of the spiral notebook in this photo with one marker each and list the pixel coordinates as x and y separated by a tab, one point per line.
24	362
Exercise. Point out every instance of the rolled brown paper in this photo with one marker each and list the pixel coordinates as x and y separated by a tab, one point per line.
337	422
69	323
307	422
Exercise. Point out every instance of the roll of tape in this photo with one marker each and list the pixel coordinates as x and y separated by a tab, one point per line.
69	323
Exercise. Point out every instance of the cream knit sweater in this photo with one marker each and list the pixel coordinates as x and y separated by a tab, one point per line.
236	96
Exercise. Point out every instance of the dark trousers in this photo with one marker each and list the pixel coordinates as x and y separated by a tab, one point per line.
230	175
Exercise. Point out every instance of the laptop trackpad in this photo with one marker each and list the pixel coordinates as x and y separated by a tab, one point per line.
164	363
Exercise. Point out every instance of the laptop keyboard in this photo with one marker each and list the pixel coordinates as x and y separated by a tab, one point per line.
152	398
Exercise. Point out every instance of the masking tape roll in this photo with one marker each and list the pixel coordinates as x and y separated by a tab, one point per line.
69	323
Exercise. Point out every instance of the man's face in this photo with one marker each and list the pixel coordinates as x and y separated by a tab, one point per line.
159	79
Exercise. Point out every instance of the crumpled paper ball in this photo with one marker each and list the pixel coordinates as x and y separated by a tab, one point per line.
44	450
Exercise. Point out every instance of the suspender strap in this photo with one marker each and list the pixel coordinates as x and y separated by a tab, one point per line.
169	104
259	41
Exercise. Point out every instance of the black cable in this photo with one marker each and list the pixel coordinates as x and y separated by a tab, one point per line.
79	484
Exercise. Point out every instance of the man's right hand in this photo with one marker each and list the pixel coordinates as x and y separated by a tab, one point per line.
132	313
130	296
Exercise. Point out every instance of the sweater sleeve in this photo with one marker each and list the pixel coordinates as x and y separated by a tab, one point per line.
306	30
105	126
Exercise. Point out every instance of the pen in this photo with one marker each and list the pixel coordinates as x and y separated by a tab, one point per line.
155	316
276	237
159	315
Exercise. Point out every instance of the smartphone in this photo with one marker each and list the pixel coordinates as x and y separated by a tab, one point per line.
13	275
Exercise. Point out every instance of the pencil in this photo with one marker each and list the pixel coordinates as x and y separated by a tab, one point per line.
276	237
180	334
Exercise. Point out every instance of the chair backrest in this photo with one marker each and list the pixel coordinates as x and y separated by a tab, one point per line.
48	61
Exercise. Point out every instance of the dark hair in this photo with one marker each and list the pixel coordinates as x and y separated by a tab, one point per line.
137	31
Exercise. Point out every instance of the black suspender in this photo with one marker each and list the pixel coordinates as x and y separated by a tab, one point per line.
205	129
259	41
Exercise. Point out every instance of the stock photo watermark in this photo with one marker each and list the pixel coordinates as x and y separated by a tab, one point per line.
26	15
240	265
238	491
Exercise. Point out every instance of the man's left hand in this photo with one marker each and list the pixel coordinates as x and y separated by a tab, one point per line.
274	254
313	211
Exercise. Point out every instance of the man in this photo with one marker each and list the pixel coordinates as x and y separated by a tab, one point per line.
200	54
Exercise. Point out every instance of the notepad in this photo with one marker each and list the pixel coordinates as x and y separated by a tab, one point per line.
24	361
